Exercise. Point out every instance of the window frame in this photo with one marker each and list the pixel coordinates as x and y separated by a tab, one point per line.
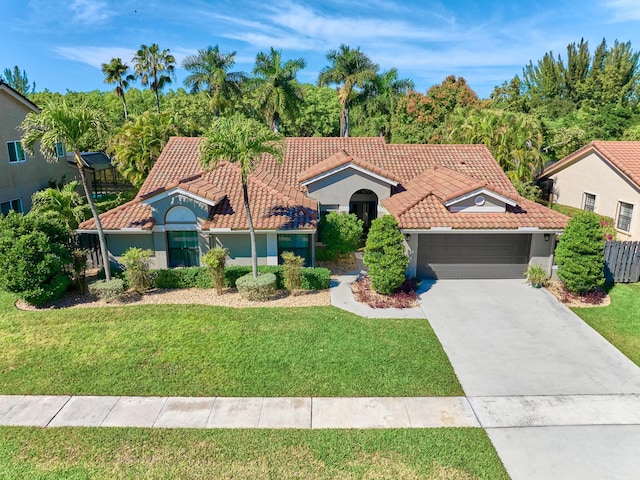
63	151
303	251
10	202
620	217
14	145
183	256
585	202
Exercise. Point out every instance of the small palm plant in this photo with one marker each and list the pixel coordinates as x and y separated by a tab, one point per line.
536	276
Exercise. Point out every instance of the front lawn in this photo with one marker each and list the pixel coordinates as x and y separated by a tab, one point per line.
619	322
115	453
173	350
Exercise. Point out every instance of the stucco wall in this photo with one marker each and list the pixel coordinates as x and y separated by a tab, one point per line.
160	208
541	252
592	175
239	246
120	242
22	179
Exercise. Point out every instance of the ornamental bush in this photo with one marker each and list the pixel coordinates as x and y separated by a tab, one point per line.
292	270
137	274
109	291
580	254
257	289
341	233
215	260
34	252
384	255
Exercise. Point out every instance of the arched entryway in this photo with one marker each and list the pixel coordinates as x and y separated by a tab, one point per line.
364	203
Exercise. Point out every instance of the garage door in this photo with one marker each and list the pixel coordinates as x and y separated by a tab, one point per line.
473	255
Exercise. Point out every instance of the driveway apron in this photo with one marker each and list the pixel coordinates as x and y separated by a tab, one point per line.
507	339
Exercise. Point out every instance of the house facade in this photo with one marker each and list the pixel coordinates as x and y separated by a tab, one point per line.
603	177
21	174
460	215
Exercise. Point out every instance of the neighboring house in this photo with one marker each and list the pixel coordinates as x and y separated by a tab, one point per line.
602	177
460	215
21	174
102	176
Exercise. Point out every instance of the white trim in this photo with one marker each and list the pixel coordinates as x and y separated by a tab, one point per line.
482	191
346	167
177	227
176	191
272	249
472	231
288	232
476	209
529	229
135	231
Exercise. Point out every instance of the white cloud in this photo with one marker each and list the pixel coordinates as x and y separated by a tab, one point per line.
95	56
623	10
90	12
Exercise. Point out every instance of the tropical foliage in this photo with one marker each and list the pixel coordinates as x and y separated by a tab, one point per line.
60	204
18	80
155	68
115	72
385	255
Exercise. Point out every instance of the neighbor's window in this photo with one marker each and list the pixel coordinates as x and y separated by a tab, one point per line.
625	212
589	202
15	204
16	154
60	150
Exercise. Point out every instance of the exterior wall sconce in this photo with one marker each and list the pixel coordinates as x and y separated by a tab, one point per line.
407	237
547	236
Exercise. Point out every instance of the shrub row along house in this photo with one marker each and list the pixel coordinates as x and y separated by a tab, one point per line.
458	211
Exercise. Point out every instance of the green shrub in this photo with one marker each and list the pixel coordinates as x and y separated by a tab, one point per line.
79	267
292	270
191	277
315	278
384	255
258	289
109	291
34	254
137	274
233	273
340	233
215	260
580	254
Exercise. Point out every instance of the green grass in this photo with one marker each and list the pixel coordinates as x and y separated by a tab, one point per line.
619	322
212	351
79	453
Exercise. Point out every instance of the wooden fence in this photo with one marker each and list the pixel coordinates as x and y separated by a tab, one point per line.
622	262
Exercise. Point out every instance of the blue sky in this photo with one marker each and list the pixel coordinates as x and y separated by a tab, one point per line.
61	44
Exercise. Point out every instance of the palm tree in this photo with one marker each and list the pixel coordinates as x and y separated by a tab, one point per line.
155	68
61	123
277	91
242	141
349	68
115	72
209	72
61	204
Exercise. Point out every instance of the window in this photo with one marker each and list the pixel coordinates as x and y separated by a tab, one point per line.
60	150
625	212
15	204
16	154
183	249
589	202
298	244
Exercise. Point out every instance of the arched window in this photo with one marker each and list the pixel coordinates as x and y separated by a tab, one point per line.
180	214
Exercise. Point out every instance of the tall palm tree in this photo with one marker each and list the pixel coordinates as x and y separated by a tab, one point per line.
351	69
61	123
277	91
115	72
242	141
155	68
209	72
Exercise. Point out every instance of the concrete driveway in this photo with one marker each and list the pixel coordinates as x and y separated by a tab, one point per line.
525	359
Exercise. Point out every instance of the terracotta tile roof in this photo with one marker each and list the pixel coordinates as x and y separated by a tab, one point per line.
132	214
338	160
422	205
624	156
195	184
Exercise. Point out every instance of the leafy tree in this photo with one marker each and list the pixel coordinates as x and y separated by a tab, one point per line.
215	260
318	115
242	141
580	254
277	92
192	113
351	70
18	80
115	72
210	73
33	255
341	233
63	205
60	123
155	68
138	144
385	255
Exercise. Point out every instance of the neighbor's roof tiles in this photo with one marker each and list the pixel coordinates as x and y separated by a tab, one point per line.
132	214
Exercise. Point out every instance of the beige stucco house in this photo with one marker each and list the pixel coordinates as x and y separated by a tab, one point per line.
22	174
460	214
603	177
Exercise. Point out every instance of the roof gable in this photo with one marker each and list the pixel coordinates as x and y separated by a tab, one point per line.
17	96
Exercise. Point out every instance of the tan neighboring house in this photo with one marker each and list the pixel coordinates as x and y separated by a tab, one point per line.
460	215
22	174
602	177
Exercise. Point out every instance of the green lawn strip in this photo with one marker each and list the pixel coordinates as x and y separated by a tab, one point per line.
116	453
619	322
177	350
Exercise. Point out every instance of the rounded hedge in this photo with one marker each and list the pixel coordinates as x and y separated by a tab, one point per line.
257	289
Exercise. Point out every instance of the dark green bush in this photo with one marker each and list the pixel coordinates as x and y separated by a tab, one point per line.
340	233
137	274
34	252
580	254
109	291
257	289
192	277
385	256
315	278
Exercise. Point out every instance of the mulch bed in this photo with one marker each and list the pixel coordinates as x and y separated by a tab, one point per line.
597	298
405	297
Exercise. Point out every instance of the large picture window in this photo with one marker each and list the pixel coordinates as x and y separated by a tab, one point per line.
625	212
298	244
16	153
183	249
15	204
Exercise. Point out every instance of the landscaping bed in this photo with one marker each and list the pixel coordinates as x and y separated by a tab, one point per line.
599	298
